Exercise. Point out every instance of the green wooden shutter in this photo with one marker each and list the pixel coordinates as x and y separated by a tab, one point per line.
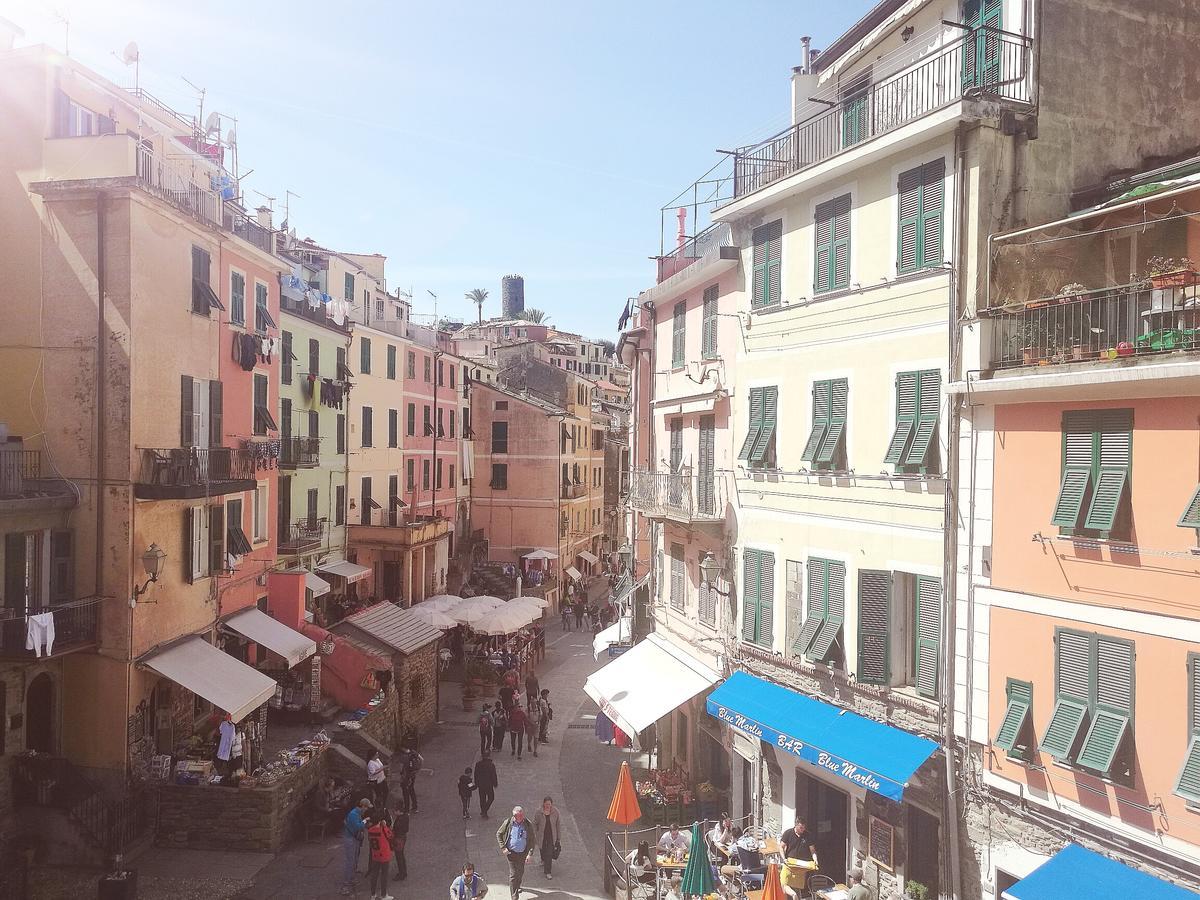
831	447
841	242
820	419
1113	681
829	634
706	466
749	595
679	335
929	635
775	263
1073	690
1187	785
678	576
929	405
766	600
1113	455
933	190
1191	513
1063	730
760	453
906	416
676	458
823	249
1020	701
768	241
908	232
1079	428
818	584
874	626
1103	740
832	251
756	423
708	331
364	356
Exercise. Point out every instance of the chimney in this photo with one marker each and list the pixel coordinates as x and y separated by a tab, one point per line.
263	214
681	238
806	55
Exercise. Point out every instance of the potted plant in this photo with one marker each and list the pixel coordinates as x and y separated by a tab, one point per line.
916	891
1169	272
1072	291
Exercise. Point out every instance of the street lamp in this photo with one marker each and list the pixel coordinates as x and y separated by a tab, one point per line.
625	555
152	562
710	568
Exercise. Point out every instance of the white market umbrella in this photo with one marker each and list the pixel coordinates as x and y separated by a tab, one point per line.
540	554
472	609
535	603
442	603
433	617
507	620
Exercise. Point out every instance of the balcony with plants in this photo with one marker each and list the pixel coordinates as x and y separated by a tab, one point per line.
186	473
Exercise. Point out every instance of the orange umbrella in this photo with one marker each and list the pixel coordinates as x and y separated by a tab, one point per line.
773	887
624	809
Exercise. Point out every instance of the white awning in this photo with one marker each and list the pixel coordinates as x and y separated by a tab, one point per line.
641	686
573	572
589	557
315	583
220	679
616	633
540	554
272	634
352	572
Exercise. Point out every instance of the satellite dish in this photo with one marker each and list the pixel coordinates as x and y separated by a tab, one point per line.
130	53
231	137
212	123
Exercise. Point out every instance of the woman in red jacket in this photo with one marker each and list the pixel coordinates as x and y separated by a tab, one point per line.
380	836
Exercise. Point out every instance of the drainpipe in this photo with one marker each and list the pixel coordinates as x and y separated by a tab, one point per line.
101	391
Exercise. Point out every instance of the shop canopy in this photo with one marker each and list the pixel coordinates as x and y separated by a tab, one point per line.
223	681
589	557
257	626
616	633
540	554
646	682
573	572
351	572
315	583
875	756
1073	869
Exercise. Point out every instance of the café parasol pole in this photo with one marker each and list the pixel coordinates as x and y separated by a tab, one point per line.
624	809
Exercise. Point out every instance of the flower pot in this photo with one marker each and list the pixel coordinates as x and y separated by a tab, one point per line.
1077	352
1177	278
1027	356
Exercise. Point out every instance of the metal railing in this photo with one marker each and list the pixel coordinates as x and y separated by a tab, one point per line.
692	249
1104	325
573	491
194	466
76	624
299	452
679	495
302	535
986	63
17	467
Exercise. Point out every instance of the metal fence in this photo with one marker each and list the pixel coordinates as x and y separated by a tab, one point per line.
75	624
194	466
300	452
679	495
302	535
16	467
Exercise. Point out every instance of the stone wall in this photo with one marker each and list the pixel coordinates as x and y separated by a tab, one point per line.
418	688
380	723
8	822
260	819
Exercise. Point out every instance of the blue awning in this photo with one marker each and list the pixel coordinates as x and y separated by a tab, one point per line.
875	756
1073	869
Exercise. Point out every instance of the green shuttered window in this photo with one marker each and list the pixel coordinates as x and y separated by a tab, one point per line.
921	198
1097	456
1191	513
758	449
679	335
822	631
1016	715
913	447
832	252
874	626
678	578
793	595
758	597
928	637
768	253
1187	785
708	326
826	446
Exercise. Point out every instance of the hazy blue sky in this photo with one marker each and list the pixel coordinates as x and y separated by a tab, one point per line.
467	140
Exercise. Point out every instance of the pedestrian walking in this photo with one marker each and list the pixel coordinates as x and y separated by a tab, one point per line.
410	765
377	779
531	690
545	826
508	696
466	786
545	714
400	844
532	727
486	782
517	841
499	726
380	837
516	731
468	885
353	828
565	612
485	728
578	613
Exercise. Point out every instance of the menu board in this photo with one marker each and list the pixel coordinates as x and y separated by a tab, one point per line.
881	843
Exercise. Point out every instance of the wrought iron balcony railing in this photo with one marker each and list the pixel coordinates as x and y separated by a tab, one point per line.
76	625
681	496
302	536
299	452
189	472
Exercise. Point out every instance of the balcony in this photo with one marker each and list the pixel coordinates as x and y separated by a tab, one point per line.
679	497
299	452
303	536
1101	328
987	64
402	534
573	490
185	473
76	627
23	484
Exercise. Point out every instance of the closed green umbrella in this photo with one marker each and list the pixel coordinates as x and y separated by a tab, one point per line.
697	876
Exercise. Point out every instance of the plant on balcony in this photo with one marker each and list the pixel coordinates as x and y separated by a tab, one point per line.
1072	291
916	891
1169	272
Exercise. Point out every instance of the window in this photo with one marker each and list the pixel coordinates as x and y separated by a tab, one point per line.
410	474
197	561
822	632
793	602
913	447
927	635
982	48
853	97
441	422
263	420
341	433
348	290
286	358
62	568
758	449
314	356
1097	455
441	370
758	597
262	315
466	423
364	356
365	502
366	426
499	437
425	474
453	369
237	298
411	420
679	335
201	421
678	578
453	483
676	458
342	372
874	627
204	301
339	504
236	542
1187	785
1093	683
499	480
921	195
452	419
427	422
427	368
261	505
708	325
391	362
394	501
314	424
393	428
1017	719
826	447
410	365
832	251
768	241
437	477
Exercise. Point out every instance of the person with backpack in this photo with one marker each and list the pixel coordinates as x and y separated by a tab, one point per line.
399	843
379	835
499	726
409	767
516	731
466	786
485	729
532	727
486	782
545	714
468	885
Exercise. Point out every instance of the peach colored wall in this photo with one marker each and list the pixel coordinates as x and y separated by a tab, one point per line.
1022	647
285	598
1166	455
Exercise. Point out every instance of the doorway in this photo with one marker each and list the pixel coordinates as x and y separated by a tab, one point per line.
391	581
746	811
923	850
826	812
40	715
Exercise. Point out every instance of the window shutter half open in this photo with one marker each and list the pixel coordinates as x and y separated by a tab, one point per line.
831	447
1016	714
755	424
187	425
766	599
929	402
929	635
874	626
829	634
906	416
760	452
749	594
818	581
820	420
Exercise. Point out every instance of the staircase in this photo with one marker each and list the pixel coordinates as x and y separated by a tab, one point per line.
489	579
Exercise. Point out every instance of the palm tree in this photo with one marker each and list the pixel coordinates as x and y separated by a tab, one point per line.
536	316
477	296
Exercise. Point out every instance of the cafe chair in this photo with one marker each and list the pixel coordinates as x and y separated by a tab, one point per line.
818	882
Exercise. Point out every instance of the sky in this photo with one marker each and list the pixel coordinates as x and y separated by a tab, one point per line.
469	140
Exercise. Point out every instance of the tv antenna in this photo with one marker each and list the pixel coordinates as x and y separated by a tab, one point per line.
434	296
61	18
200	92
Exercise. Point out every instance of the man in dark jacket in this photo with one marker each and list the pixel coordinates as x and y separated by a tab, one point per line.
486	782
517	841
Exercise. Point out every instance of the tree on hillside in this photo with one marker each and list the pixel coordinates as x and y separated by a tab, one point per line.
478	296
536	316
608	346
